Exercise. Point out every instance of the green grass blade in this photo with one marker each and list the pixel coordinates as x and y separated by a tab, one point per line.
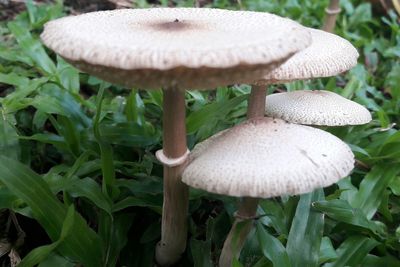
120	236
138	202
129	134
306	232
32	47
68	76
49	138
326	251
372	187
135	108
200	251
374	261
107	165
89	189
7	199
13	79
341	211
84	245
353	251
272	248
9	144
14	56
56	260
211	112
19	98
55	100
275	214
37	255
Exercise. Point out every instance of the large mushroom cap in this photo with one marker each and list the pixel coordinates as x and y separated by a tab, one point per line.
316	108
188	48
328	55
268	157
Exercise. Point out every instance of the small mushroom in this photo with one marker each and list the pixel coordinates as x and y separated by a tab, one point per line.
175	49
316	107
264	158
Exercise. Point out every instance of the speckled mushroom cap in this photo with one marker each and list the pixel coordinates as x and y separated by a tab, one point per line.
268	157
316	107
328	55
187	48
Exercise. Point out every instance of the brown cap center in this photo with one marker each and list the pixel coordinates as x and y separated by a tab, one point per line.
175	25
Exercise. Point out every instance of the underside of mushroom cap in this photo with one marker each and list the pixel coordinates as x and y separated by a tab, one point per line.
171	47
177	78
328	55
268	157
316	107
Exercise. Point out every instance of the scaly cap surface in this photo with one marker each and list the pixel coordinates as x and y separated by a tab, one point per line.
268	157
187	48
316	107
328	55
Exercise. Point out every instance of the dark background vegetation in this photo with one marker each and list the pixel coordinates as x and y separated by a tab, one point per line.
59	145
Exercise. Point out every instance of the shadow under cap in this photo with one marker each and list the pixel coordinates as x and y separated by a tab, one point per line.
178	78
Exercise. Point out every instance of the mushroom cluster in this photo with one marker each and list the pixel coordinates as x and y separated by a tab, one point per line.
273	156
189	48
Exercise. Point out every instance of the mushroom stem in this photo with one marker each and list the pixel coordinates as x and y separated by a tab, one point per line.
248	207
331	13
176	194
240	229
256	104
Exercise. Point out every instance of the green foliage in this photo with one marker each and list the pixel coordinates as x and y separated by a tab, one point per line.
305	234
82	246
76	155
37	255
272	248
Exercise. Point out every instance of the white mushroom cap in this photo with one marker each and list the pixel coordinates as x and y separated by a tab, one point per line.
328	55
187	48
317	107
268	157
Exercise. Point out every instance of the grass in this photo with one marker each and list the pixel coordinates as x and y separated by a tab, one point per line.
78	167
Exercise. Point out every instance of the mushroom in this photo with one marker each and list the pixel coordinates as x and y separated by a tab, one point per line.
176	49
181	48
263	158
328	55
316	107
284	159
